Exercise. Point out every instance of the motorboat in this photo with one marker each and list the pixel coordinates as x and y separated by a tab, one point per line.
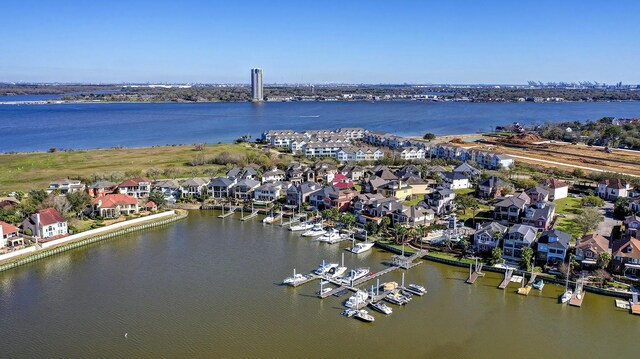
331	236
364	316
566	296
355	275
416	289
359	298
361	247
268	219
381	307
538	285
324	268
395	298
349	312
325	290
297	278
301	227
336	271
316	230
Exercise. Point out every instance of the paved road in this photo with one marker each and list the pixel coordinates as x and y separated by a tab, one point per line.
567	164
605	227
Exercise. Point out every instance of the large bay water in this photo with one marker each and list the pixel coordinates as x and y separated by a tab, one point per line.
82	126
208	288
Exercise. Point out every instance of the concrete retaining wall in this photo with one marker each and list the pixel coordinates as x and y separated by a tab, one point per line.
85	238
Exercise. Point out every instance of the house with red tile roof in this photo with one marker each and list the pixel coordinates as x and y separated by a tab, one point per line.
136	187
151	206
613	188
46	223
557	188
9	235
115	205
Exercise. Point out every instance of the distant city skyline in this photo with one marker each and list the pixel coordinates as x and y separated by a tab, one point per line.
355	42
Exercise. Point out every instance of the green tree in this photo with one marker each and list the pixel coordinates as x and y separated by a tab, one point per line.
603	260
385	222
496	255
588	219
429	136
591	201
331	213
621	207
79	201
525	259
371	227
348	219
158	199
37	196
400	231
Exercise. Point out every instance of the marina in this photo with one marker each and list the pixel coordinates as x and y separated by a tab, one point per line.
156	269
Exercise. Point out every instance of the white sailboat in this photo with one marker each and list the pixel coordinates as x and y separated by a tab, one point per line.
568	293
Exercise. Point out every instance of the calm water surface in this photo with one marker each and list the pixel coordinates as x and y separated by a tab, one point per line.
207	287
81	126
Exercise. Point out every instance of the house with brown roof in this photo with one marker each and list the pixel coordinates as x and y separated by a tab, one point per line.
9	235
613	188
589	247
557	188
136	187
46	223
115	205
626	256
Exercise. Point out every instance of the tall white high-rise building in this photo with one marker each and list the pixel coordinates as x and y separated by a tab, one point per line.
256	85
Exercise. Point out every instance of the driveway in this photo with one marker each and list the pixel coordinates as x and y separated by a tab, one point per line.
605	227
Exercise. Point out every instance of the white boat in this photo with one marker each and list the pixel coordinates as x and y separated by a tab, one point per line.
324	268
331	236
297	278
336	271
301	227
355	275
364	316
566	296
361	247
349	312
267	219
316	230
397	298
325	290
358	298
381	307
416	289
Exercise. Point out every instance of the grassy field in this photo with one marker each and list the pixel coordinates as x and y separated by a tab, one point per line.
26	171
568	205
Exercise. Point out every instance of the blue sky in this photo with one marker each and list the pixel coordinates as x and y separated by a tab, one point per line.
321	41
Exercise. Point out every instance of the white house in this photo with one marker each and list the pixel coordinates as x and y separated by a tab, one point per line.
273	175
136	187
46	223
613	188
270	191
194	186
9	235
455	180
557	188
65	185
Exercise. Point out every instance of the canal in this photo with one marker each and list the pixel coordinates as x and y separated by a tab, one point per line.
206	287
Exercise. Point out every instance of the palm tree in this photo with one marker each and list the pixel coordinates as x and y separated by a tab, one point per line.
400	232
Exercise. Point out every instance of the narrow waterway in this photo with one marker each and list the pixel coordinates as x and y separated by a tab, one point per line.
207	287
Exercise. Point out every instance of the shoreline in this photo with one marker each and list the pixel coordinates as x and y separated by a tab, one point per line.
70	102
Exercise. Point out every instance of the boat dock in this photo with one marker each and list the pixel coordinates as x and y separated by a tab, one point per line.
294	219
310	277
532	279
578	295
474	274
507	278
635	306
232	210
249	216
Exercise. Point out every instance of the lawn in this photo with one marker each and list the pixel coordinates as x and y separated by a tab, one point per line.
568	205
414	201
568	225
27	171
464	191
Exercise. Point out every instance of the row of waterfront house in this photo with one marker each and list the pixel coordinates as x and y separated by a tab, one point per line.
358	144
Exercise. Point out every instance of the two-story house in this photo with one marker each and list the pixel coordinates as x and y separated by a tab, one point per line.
492	187
46	223
553	246
557	189
488	236
65	185
194	187
273	175
9	235
589	247
511	208
441	200
613	188
626	256
455	180
540	215
632	226
221	187
138	187
114	205
397	189
243	189
468	170
270	191
517	238
300	193
538	194
413	215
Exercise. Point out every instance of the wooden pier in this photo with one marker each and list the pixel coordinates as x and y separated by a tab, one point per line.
310	277
634	305
507	278
249	216
578	295
232	210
